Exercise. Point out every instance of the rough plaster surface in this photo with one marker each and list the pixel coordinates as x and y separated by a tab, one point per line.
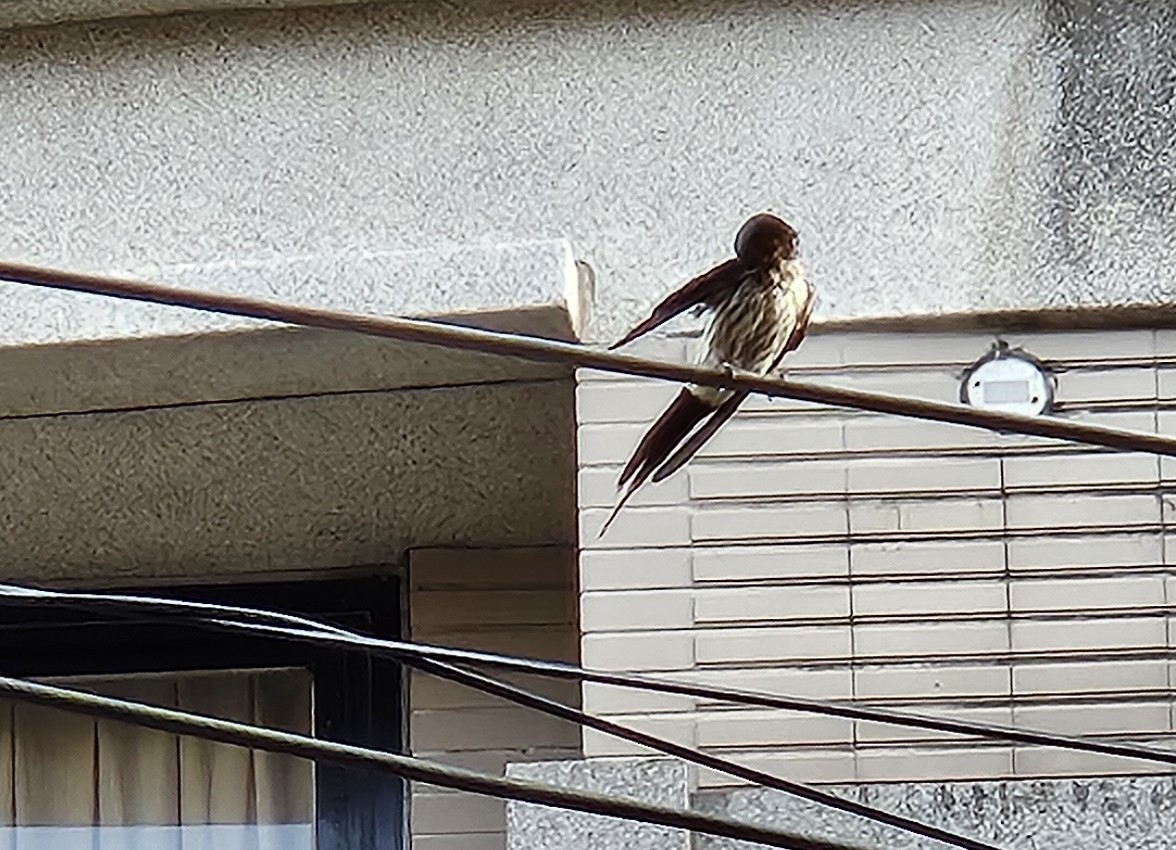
660	782
286	484
26	13
1114	814
937	155
476	284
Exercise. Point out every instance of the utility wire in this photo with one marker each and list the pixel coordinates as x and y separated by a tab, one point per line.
407	767
305	630
550	351
517	695
119	604
854	711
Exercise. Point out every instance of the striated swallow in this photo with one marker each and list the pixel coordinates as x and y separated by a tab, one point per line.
759	304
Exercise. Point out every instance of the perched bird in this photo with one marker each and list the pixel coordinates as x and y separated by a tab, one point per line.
760	304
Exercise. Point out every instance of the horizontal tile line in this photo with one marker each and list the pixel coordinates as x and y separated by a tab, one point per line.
794	415
994	494
996	574
1016	699
1044	448
947	535
946	494
1142	737
1155	652
1111	363
1088	615
939	535
1126	404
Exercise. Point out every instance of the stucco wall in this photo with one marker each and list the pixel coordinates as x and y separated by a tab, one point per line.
936	154
283	485
1121	813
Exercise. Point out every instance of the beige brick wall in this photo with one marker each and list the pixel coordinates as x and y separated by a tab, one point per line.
518	601
847	555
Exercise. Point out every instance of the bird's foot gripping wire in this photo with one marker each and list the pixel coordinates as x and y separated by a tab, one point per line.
729	370
734	373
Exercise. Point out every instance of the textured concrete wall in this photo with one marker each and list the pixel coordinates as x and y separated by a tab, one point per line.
1124	813
1111	814
25	13
936	154
659	782
281	485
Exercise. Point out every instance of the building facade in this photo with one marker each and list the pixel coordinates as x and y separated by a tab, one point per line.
974	167
825	553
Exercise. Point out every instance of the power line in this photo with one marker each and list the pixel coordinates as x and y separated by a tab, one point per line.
291	627
407	767
550	351
433	333
250	617
854	711
517	695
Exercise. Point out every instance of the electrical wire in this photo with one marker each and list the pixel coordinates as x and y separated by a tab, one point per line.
116	604
854	711
424	657
407	767
305	630
517	695
551	351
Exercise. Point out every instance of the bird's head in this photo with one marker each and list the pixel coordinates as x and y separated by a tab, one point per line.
765	239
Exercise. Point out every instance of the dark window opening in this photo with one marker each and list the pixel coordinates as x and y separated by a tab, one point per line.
356	699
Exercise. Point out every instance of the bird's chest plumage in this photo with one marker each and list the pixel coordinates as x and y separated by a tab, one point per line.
749	328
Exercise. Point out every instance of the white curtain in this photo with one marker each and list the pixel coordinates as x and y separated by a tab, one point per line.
70	781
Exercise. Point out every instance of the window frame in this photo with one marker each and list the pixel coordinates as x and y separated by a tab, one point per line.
358	699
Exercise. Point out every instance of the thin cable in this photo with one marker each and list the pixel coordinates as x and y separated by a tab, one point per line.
517	695
486	684
400	650
854	711
550	351
102	601
477	681
407	767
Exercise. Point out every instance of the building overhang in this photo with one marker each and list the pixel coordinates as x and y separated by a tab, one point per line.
64	352
153	444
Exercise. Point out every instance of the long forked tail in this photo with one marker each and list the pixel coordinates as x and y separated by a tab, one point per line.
689	448
678	420
727	409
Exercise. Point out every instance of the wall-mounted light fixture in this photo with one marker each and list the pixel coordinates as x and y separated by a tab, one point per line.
1010	380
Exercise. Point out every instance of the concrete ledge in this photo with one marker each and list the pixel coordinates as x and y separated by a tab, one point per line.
32	13
659	781
519	286
1121	813
1088	317
66	353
